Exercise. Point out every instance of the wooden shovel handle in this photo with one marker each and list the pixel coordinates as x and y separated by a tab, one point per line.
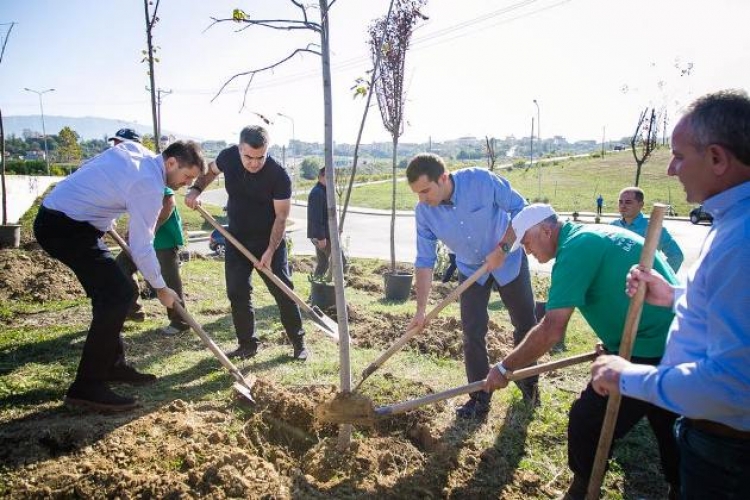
401	341
626	348
218	353
479	385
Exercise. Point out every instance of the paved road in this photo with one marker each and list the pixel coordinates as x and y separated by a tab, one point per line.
367	234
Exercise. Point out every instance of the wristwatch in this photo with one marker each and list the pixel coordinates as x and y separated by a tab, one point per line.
503	371
504	247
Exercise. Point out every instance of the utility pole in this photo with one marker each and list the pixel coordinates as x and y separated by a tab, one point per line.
159	93
604	133
293	151
531	154
44	131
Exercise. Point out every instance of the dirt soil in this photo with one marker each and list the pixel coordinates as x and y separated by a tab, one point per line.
34	276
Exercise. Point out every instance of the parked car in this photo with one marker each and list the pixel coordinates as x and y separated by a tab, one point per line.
698	215
217	242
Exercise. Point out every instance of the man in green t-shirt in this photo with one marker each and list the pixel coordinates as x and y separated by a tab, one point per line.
167	242
591	263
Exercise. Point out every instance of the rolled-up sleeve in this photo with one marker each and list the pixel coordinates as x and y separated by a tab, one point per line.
426	245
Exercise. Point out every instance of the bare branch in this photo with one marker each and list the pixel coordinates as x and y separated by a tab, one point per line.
154	18
277	24
331	4
254	72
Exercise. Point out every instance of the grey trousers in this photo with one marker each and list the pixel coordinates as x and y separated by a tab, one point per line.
518	298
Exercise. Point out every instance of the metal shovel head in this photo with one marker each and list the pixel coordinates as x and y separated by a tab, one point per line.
326	324
346	408
243	391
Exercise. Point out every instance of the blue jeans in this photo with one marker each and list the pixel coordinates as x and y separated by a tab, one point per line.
712	466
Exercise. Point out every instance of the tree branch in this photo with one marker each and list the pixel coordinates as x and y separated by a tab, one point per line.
277	24
254	72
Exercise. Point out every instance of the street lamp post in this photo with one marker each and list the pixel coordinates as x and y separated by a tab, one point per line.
294	149
541	151
44	131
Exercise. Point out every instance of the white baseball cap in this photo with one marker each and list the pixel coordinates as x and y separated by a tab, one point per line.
527	218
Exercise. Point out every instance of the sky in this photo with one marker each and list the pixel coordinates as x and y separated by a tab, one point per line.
474	68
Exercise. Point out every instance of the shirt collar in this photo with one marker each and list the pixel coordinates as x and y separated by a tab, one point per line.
719	204
452	200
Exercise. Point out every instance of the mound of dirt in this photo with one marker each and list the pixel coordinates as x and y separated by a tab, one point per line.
34	276
443	337
181	450
373	465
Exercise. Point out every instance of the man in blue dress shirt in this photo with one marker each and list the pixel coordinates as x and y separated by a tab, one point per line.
630	205
705	372
470	211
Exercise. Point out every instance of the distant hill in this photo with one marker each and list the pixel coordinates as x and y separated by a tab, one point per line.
88	127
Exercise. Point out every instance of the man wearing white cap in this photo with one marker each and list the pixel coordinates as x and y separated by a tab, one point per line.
591	262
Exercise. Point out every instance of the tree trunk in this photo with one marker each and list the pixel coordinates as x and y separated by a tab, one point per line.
345	373
2	170
150	45
393	206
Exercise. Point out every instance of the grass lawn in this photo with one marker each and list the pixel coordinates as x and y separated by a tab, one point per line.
568	185
192	434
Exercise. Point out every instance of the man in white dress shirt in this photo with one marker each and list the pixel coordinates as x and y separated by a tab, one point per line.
70	225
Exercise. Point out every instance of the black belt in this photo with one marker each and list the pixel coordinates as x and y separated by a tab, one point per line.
718	429
52	212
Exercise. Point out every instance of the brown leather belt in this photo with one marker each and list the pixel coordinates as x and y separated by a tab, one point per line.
718	429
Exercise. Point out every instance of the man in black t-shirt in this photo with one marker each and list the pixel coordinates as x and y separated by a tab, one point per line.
260	193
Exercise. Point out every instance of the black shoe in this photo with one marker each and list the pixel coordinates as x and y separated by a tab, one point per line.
97	397
244	352
577	489
473	409
127	374
301	352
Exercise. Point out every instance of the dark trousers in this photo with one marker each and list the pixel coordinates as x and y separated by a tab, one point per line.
169	262
448	274
585	424
324	259
238	272
711	466
78	246
518	298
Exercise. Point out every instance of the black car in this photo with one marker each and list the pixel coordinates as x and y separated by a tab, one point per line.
217	242
698	215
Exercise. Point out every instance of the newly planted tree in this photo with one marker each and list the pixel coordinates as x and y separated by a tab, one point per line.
320	29
389	43
151	19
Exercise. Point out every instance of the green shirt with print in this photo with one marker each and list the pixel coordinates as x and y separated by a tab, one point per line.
169	234
589	273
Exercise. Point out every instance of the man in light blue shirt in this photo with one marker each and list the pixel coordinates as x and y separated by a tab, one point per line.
630	205
470	211
705	372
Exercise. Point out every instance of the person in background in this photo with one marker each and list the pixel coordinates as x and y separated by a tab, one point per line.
704	374
317	224
599	204
125	135
70	224
167	243
259	200
630	205
469	210
590	262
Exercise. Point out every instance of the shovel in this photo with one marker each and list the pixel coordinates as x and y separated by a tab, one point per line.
401	342
242	385
352	408
323	322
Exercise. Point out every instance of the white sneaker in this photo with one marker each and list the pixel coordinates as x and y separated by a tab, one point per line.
170	330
